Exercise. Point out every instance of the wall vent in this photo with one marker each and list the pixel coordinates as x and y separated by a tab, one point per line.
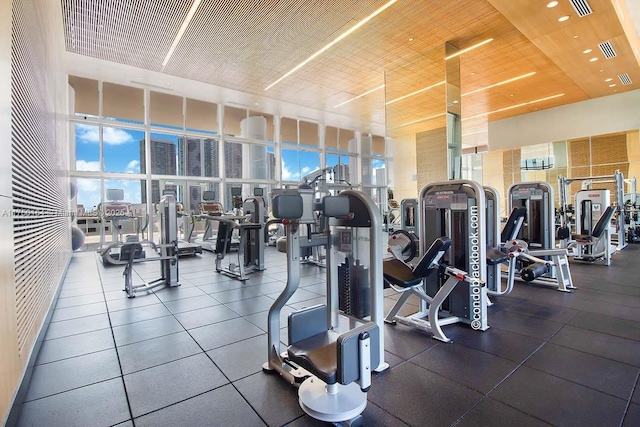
607	50
582	7
624	78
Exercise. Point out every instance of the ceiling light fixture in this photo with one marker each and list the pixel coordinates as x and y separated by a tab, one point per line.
424	89
500	83
181	31
423	119
594	59
515	106
563	18
465	50
552	4
587	51
612	85
608	80
329	45
359	96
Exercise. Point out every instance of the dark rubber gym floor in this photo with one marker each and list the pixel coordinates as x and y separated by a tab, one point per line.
192	356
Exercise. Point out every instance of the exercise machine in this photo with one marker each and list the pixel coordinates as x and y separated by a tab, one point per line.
185	247
250	226
113	211
167	248
208	207
410	220
595	244
407	280
333	348
455	209
587	183
534	257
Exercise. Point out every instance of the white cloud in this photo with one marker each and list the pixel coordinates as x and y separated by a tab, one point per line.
90	134
133	167
114	136
88	193
87	134
305	170
288	175
83	165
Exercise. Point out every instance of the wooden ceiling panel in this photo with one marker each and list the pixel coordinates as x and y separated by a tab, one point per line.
247	45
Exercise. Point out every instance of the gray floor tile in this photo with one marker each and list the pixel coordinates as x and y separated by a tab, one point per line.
275	400
81	325
224	333
205	316
172	294
237	294
146	354
620	349
67	374
252	353
224	407
632	417
124	303
164	385
188	304
490	412
406	342
97	405
74	301
251	305
441	408
145	330
463	365
542	393
138	314
75	345
602	374
78	311
505	344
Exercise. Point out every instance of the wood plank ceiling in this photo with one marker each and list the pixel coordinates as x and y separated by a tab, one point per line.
248	44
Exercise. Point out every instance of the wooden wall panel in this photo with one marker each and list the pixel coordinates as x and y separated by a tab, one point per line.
579	152
606	149
431	156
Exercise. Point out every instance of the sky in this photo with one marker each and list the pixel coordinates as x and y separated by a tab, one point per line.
122	154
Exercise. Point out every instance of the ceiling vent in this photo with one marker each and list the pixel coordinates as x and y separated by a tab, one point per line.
582	7
625	79
607	50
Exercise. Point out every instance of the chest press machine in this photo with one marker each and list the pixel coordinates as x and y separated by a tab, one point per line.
331	355
168	250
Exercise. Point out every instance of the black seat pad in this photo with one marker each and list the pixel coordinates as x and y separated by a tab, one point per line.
318	355
399	274
495	256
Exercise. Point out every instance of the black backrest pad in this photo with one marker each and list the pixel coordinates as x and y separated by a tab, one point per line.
335	206
287	206
128	251
603	222
441	244
512	221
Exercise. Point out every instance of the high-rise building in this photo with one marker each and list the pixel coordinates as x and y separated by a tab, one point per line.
163	162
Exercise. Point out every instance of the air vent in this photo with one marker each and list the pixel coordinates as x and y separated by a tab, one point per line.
625	79
582	7
607	50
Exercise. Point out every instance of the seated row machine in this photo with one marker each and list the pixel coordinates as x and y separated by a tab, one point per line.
332	368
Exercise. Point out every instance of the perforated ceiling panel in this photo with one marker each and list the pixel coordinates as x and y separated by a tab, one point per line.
133	32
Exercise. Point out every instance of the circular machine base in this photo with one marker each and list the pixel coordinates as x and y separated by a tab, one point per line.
345	405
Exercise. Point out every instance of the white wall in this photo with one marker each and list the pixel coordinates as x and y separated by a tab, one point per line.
597	116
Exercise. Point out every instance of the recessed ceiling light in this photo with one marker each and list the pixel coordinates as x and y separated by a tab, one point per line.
410	39
455	102
168	84
587	51
359	96
563	18
607	80
576	36
181	31
514	106
602	71
460	52
424	89
500	83
594	59
612	85
139	78
552	4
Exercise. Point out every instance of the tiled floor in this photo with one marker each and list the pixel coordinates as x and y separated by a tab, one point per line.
192	356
